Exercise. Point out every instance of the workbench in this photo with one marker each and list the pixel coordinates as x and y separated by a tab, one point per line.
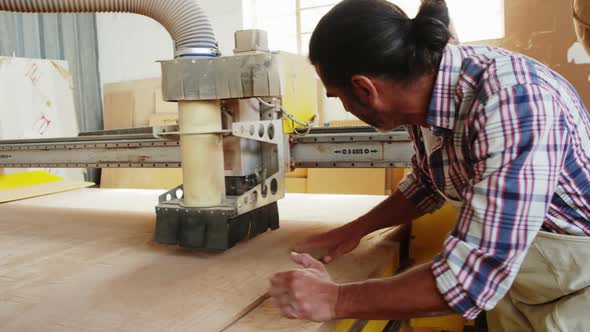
85	260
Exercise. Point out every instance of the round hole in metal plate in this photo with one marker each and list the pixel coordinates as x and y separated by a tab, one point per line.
246	200
254	196
168	197
261	130
264	191
271	131
179	193
274	186
251	130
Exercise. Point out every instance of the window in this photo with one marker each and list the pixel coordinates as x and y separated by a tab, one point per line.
278	18
290	22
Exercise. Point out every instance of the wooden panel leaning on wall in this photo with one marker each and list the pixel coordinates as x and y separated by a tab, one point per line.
138	104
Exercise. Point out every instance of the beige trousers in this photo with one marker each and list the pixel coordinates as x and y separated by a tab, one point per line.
552	289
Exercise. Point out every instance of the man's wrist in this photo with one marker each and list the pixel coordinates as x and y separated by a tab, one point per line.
345	301
362	226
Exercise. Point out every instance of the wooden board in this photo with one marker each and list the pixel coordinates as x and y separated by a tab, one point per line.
118	110
347	123
85	261
133	104
368	261
143	94
163	119
41	189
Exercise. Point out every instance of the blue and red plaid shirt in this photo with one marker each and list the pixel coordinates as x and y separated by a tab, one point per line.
512	143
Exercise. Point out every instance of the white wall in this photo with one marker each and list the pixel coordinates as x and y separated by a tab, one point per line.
129	45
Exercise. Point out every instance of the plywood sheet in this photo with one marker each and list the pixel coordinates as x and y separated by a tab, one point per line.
85	261
163	106
143	93
134	104
41	189
367	261
118	110
347	123
163	119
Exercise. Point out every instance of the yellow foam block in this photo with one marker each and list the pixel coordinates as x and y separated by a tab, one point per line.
297	173
299	89
24	185
357	181
429	233
452	323
296	185
17	180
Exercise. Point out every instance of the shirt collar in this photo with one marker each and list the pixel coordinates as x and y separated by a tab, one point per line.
442	111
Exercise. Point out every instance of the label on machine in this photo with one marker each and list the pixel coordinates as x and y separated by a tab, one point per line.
350	151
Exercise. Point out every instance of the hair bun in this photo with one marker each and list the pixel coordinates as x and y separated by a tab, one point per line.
430	28
376	37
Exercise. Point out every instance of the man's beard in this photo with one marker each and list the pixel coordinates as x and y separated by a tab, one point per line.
368	115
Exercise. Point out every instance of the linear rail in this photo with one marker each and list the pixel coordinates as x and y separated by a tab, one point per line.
350	147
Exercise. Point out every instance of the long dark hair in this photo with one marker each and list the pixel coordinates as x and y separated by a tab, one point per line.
376	37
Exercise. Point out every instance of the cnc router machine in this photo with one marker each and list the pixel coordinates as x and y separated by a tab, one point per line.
244	121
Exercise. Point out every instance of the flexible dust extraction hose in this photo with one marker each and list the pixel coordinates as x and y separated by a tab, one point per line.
186	22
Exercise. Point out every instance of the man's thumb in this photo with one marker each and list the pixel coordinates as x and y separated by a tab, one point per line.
336	252
306	260
307	244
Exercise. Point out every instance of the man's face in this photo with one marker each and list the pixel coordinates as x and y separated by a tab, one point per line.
385	103
369	101
370	115
353	105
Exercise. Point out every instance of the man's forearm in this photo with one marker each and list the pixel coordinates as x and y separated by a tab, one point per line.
395	210
408	295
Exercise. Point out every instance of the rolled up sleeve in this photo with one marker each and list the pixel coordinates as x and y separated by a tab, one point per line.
417	187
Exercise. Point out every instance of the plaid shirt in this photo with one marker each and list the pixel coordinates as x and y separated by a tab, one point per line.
512	143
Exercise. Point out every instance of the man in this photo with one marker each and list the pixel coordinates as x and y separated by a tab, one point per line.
497	134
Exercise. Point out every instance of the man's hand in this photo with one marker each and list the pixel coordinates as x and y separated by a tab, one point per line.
334	243
307	293
395	210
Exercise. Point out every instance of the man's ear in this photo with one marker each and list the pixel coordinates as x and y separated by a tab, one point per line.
365	89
